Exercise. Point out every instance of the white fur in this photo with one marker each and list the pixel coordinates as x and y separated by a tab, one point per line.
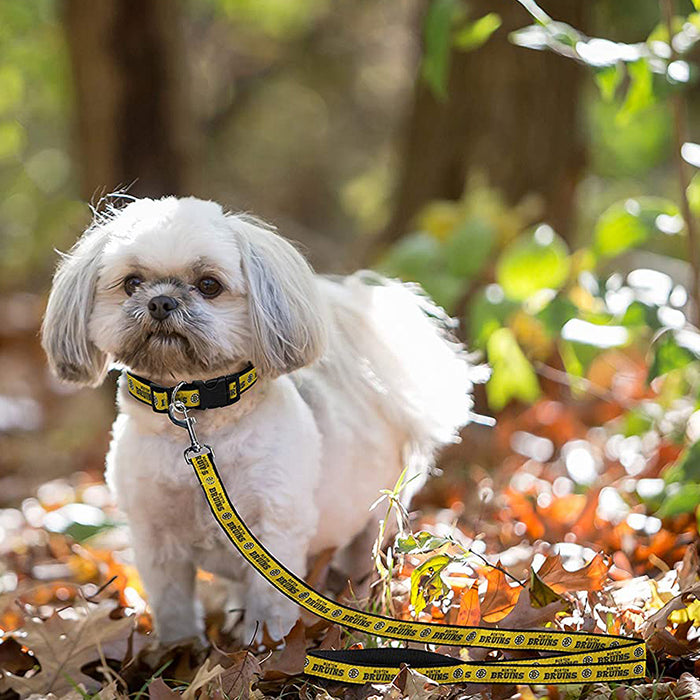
358	378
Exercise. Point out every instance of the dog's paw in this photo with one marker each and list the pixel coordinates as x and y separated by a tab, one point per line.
275	615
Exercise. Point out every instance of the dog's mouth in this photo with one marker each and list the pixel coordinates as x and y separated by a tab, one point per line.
165	336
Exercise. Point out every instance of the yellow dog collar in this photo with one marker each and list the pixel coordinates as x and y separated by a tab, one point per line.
199	394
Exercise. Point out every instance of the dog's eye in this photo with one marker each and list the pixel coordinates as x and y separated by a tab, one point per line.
209	287
131	284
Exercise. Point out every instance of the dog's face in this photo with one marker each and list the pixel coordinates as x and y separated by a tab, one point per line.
177	287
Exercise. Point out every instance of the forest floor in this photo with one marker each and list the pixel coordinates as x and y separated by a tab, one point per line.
546	503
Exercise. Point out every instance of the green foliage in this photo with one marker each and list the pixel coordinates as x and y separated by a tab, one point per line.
512	376
447	26
533	262
436	58
627	224
477	33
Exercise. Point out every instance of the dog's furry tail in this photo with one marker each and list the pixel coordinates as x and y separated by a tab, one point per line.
424	375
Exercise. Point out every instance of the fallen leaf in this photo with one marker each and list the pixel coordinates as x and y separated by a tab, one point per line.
541	594
591	577
525	615
158	690
64	646
289	661
500	596
688	686
469	614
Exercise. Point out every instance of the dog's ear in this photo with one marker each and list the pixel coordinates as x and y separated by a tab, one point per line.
73	357
286	312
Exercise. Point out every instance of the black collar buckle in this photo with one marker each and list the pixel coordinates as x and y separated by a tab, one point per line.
213	393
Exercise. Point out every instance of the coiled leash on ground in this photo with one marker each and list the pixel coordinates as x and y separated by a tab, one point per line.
576	657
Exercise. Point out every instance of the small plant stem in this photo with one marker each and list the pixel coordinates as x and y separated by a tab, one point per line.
678	106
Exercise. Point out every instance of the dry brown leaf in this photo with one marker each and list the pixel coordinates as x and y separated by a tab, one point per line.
659	619
690	568
64	646
590	578
469	614
524	615
289	661
237	679
206	673
500	596
158	690
688	686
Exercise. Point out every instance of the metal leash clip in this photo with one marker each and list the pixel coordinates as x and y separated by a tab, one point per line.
187	421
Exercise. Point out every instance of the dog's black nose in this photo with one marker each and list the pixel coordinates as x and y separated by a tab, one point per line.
161	307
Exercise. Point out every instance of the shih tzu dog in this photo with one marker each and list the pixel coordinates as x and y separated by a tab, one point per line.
357	377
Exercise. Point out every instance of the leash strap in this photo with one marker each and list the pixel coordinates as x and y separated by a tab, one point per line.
574	657
213	393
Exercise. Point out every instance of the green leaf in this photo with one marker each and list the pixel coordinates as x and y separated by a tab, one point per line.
555	315
535	261
419	543
696	5
693	193
437	37
686	468
426	583
636	422
541	594
674	350
685	500
413	257
469	247
512	375
640	93
608	80
477	33
626	224
487	315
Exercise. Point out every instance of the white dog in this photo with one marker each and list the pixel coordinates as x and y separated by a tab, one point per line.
357	377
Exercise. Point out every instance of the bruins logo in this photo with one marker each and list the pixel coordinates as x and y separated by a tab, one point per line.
426	632
303	595
248	545
533	675
586	673
458	673
336	613
566	642
307	661
210	480
353	673
194	398
471	636
614	644
638	669
519	639
639	652
226	516
481	673
378	626
274	572
587	659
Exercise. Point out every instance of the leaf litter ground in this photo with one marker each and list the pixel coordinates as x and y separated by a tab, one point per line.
540	522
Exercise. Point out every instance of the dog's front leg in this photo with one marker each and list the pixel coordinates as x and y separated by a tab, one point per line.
289	543
168	575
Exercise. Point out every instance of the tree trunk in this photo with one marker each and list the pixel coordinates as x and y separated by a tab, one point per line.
511	114
133	122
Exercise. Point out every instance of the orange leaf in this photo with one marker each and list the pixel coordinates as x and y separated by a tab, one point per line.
590	578
500	596
469	608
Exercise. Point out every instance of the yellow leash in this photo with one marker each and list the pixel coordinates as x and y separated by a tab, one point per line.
575	657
